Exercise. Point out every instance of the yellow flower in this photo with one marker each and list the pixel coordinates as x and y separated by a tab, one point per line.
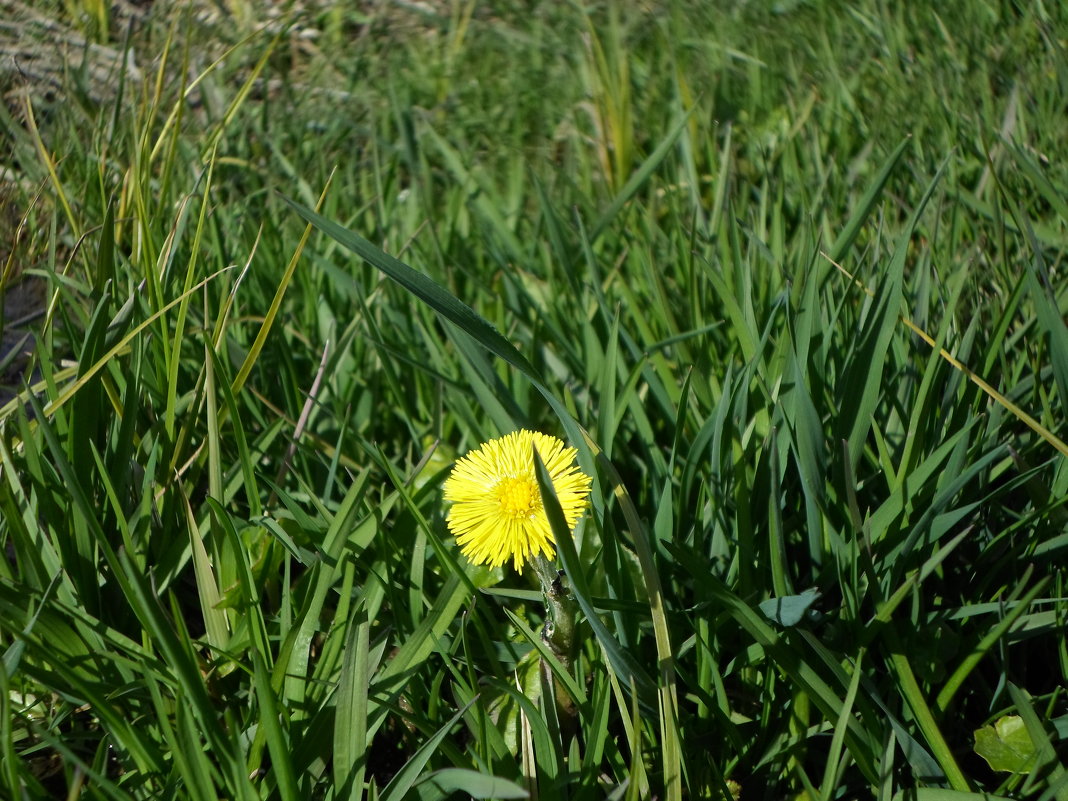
497	512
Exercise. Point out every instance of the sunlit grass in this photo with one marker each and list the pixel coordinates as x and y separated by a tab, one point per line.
790	281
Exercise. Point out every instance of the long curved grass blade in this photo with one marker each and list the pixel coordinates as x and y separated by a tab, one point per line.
426	289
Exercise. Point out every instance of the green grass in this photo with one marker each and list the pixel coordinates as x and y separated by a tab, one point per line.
695	241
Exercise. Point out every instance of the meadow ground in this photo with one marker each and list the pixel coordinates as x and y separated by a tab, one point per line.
789	277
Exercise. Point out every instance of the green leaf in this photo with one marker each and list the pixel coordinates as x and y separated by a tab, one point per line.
788	610
468	782
1006	746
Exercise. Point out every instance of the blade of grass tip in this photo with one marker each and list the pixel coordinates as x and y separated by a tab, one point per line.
640	176
747	338
975	378
807	444
237	435
597	730
68	392
13	655
780	577
251	79
183	307
423	287
215	622
104	264
211	421
866	369
50	165
153	275
867	203
930	380
176	111
606	386
37	556
276	301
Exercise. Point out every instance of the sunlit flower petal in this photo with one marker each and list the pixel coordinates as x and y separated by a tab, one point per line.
497	513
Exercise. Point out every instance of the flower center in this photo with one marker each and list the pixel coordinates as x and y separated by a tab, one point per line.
519	497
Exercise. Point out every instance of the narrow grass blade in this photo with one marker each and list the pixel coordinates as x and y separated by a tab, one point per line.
867	203
218	627
623	662
400	785
864	377
272	718
423	287
640	176
350	722
799	671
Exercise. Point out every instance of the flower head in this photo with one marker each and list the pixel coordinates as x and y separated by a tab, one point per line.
497	512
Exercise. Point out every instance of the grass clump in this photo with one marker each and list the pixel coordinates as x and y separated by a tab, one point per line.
787	278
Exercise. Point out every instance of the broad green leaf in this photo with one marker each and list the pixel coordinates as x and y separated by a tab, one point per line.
1006	746
470	783
789	610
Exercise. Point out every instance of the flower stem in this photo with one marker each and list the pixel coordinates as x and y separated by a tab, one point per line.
559	635
559	630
